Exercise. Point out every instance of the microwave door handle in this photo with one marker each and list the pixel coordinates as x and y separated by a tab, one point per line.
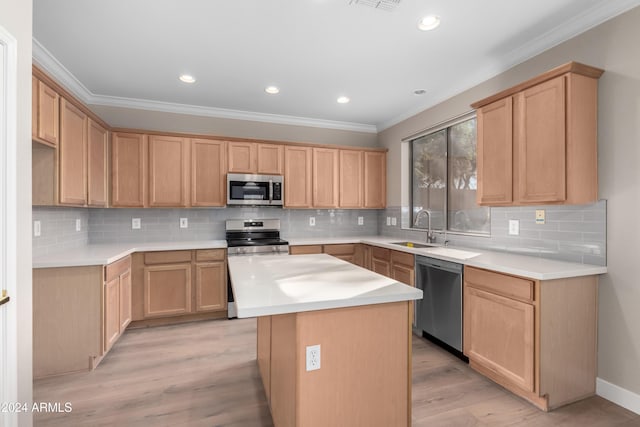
270	191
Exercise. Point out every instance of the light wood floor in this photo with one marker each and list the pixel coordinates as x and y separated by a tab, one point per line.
205	374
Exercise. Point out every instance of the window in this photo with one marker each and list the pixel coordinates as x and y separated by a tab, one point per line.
444	180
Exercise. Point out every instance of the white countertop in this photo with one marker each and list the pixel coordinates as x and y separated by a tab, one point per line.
277	284
519	265
108	253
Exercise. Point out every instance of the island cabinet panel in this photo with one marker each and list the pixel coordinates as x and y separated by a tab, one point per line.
128	169
73	155
494	153
297	177
375	179
208	172
542	133
243	157
168	171
264	353
47	114
270	159
535	338
167	290
97	158
351	179
350	379
325	178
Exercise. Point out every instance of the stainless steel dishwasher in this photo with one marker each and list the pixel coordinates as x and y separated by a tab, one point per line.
439	313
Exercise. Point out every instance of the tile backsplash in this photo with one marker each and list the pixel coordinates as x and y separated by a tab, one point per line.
570	233
575	233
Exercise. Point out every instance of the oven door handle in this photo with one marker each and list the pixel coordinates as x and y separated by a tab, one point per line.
270	191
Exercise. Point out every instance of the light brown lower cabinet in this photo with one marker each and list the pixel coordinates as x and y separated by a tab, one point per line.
381	261
78	314
535	338
174	286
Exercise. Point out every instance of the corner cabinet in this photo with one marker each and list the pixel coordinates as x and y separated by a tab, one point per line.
535	338
537	142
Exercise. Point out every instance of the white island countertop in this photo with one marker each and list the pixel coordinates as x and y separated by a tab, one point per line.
276	284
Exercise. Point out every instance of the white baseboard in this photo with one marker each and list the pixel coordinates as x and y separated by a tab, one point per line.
618	395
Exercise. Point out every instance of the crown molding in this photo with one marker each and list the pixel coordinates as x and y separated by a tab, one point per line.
579	24
48	63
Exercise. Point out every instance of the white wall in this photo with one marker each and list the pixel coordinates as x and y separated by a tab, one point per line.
16	17
612	46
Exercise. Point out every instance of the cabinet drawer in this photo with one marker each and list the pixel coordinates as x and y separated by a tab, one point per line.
167	257
381	253
306	249
210	255
115	269
403	258
346	249
502	284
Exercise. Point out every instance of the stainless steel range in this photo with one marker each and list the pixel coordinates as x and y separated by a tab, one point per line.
252	237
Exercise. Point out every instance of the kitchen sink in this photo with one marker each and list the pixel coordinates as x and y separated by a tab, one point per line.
414	245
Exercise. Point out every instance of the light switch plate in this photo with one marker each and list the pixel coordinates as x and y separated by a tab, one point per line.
78	224
135	223
312	221
184	222
540	216
388	220
514	227
36	228
360	220
394	221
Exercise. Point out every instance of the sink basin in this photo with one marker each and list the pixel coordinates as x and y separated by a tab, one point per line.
414	245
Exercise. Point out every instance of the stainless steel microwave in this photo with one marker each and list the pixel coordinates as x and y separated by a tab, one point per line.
255	190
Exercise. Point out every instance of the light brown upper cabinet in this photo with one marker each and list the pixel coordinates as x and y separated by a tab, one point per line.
270	159
254	157
45	113
73	155
97	149
375	179
543	134
208	170
128	169
325	177
297	177
351	183
168	171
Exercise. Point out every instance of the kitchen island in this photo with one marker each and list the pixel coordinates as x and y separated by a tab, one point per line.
361	321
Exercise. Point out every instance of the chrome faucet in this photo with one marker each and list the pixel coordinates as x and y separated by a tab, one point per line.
430	236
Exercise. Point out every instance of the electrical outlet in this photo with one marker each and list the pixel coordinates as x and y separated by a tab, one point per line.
539	216
184	222
514	227
313	357
388	220
135	223
78	224
312	221
36	228
360	220
394	221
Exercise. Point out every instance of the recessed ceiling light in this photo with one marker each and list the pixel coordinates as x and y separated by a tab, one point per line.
419	92
272	90
429	22
187	78
343	100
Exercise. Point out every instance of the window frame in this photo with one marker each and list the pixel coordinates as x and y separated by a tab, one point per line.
444	125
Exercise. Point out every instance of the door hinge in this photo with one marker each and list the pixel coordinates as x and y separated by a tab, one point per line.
5	298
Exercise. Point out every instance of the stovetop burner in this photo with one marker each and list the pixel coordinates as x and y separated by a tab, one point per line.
255	237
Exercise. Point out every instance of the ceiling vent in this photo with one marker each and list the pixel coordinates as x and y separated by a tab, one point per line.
387	5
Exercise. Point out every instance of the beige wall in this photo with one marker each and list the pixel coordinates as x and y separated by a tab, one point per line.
171	122
15	17
612	46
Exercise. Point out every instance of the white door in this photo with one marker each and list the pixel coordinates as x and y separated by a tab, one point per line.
8	144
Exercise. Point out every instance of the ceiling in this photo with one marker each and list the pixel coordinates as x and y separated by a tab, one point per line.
130	53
